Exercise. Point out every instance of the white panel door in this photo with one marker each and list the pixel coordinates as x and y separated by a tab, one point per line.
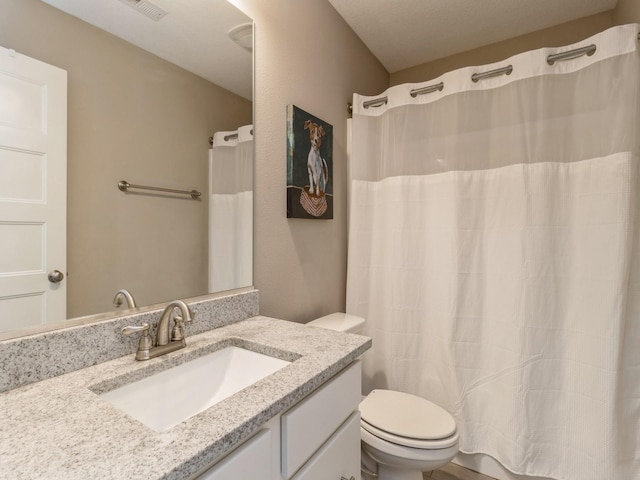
33	185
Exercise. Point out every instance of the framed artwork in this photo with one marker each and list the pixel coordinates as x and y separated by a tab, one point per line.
309	166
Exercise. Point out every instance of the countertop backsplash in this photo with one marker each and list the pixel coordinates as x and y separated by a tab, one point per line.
37	357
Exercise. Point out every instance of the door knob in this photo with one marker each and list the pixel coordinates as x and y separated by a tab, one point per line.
56	276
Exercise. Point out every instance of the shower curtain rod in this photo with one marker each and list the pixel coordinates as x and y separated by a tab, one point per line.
234	135
551	60
227	137
476	77
431	88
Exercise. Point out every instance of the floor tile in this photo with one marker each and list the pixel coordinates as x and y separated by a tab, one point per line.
452	471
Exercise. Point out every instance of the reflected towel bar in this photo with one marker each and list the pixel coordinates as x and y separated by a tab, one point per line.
124	186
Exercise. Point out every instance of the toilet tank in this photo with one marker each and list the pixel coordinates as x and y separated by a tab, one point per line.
341	322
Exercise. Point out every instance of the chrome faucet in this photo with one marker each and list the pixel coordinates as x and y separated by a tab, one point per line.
164	343
123	295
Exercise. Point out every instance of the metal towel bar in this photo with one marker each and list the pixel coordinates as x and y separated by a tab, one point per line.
124	186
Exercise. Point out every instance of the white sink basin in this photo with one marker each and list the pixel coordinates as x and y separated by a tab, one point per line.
164	400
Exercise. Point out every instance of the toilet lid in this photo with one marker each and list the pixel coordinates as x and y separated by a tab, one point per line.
406	415
341	322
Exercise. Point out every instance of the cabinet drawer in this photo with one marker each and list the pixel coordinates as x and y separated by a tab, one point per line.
312	421
339	457
250	461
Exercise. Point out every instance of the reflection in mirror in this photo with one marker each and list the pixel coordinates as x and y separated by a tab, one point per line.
231	210
115	111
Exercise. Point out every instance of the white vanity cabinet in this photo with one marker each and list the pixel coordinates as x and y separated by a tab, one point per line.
249	460
308	426
339	457
316	439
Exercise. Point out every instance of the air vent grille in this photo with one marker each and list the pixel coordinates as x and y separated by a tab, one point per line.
146	8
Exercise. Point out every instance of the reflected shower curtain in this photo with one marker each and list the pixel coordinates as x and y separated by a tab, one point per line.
231	210
493	249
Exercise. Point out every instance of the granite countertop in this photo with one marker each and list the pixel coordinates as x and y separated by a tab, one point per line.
61	428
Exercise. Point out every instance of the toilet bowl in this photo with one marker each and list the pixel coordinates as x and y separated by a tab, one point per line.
406	435
403	434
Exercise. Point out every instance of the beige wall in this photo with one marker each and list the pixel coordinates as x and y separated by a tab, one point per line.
627	11
563	34
307	56
136	117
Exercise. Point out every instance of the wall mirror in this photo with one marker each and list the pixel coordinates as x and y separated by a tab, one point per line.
149	84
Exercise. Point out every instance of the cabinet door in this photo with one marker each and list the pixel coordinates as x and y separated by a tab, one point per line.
339	457
308	425
251	461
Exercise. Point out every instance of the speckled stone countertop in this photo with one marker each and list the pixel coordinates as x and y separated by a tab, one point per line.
61	429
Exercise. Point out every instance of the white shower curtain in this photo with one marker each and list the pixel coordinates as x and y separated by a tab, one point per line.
493	249
231	210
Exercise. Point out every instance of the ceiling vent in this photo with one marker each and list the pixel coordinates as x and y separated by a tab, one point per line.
146	8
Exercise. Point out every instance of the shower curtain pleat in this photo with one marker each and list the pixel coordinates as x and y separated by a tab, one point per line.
493	249
231	210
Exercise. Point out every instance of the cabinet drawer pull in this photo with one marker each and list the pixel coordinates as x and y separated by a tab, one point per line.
345	478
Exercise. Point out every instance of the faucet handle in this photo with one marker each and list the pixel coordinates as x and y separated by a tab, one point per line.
131	329
145	343
177	333
179	319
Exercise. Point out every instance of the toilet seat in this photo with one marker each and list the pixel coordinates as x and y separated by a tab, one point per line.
410	442
407	420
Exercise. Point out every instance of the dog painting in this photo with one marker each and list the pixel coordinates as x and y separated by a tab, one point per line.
309	165
316	165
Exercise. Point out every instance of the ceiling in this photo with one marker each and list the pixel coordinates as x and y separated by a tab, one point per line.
406	33
193	35
400	33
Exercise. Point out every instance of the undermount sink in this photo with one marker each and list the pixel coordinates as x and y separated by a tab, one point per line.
165	399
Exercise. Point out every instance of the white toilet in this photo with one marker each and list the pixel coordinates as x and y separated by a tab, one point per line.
404	434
